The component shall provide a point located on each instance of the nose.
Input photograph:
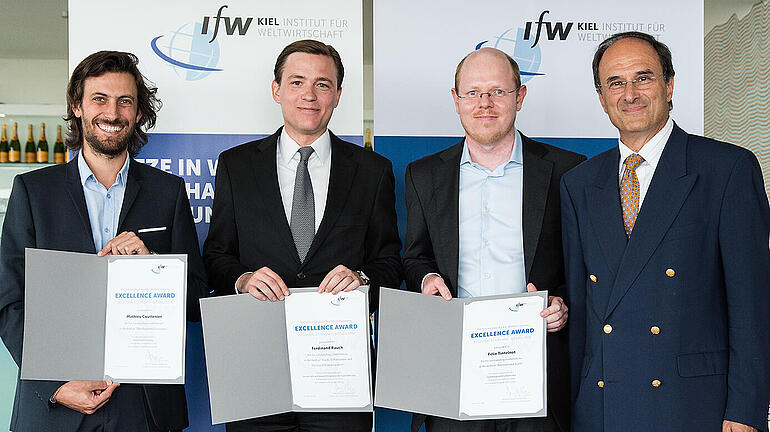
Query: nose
(630, 92)
(485, 103)
(111, 110)
(308, 93)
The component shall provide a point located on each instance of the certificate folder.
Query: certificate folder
(419, 352)
(247, 358)
(65, 315)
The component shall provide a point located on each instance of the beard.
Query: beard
(112, 146)
(486, 136)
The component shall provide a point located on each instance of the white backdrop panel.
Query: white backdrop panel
(235, 99)
(417, 46)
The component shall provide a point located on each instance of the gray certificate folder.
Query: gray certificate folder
(247, 358)
(419, 351)
(65, 299)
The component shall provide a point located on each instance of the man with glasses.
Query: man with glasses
(483, 219)
(666, 251)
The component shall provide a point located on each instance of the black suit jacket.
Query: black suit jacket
(47, 210)
(432, 239)
(249, 228)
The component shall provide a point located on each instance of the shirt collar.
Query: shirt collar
(652, 149)
(86, 173)
(322, 147)
(517, 156)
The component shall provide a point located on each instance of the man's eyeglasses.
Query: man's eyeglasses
(496, 94)
(640, 83)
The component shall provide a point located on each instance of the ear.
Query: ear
(77, 111)
(670, 89)
(456, 99)
(601, 100)
(138, 115)
(276, 88)
(339, 94)
(520, 97)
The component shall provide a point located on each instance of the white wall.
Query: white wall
(33, 81)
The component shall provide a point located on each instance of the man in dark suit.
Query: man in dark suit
(668, 269)
(80, 207)
(303, 208)
(483, 219)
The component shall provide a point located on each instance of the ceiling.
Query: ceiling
(35, 28)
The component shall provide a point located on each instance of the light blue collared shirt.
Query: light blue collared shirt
(491, 249)
(103, 204)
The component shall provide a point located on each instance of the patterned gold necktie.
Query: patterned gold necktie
(629, 192)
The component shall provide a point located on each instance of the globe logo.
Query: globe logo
(188, 51)
(527, 57)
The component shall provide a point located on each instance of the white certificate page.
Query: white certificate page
(328, 349)
(502, 368)
(145, 323)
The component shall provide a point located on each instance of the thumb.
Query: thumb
(531, 287)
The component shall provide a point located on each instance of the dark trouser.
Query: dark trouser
(126, 411)
(306, 422)
(539, 424)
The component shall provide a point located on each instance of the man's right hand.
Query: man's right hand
(434, 284)
(85, 396)
(263, 284)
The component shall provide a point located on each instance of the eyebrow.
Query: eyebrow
(106, 95)
(302, 77)
(638, 73)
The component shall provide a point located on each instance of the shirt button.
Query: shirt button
(109, 196)
(486, 243)
(607, 328)
(487, 276)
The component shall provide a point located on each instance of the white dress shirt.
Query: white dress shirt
(319, 165)
(651, 152)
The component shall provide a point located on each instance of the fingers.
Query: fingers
(265, 284)
(531, 287)
(434, 284)
(125, 243)
(339, 279)
(556, 314)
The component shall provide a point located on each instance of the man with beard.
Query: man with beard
(483, 219)
(106, 203)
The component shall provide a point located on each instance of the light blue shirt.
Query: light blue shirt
(103, 204)
(491, 249)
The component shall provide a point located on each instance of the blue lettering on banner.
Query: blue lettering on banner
(508, 332)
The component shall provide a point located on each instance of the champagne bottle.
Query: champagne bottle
(30, 152)
(3, 146)
(42, 146)
(58, 147)
(14, 148)
(368, 140)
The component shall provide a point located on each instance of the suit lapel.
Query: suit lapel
(607, 220)
(133, 185)
(668, 190)
(263, 161)
(537, 180)
(343, 171)
(75, 192)
(445, 209)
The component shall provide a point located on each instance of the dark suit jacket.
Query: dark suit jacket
(432, 238)
(686, 296)
(47, 210)
(249, 228)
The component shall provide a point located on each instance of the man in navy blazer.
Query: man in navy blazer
(100, 202)
(667, 279)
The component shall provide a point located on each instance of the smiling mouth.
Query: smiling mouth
(110, 128)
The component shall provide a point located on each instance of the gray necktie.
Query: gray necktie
(303, 206)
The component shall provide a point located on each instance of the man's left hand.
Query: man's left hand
(339, 279)
(555, 314)
(731, 426)
(126, 243)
